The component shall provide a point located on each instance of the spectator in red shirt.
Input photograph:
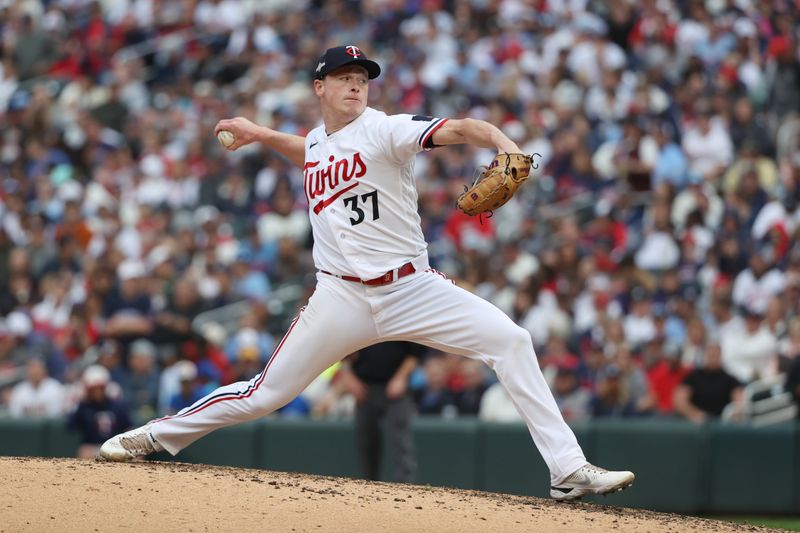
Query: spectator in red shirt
(665, 376)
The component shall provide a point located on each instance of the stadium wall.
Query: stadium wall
(679, 467)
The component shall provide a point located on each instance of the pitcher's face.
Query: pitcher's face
(344, 91)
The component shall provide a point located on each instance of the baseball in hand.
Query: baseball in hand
(225, 138)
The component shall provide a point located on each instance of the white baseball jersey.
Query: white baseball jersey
(359, 182)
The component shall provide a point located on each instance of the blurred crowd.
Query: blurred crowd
(653, 258)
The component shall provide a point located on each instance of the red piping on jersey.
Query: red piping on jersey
(433, 130)
(328, 201)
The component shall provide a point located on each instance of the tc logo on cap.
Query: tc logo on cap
(354, 51)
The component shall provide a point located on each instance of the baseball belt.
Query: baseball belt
(383, 279)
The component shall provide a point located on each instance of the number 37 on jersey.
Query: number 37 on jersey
(324, 186)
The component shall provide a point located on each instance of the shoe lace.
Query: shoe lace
(594, 469)
(137, 443)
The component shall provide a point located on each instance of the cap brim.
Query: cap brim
(373, 69)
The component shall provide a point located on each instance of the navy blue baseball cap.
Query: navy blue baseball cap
(340, 56)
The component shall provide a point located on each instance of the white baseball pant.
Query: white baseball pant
(344, 316)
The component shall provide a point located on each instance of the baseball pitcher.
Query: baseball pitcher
(374, 282)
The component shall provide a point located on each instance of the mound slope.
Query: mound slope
(71, 495)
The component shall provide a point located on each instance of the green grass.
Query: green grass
(791, 523)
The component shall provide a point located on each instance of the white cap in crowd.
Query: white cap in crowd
(95, 376)
(131, 269)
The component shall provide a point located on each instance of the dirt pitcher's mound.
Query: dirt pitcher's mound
(71, 495)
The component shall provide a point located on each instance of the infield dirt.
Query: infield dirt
(70, 495)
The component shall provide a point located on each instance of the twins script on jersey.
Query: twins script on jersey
(362, 197)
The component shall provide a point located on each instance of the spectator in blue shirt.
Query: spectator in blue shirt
(99, 416)
(671, 165)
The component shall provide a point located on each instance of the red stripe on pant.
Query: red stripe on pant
(227, 396)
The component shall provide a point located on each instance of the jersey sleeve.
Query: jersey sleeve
(404, 136)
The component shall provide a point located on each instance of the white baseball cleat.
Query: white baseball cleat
(129, 445)
(590, 479)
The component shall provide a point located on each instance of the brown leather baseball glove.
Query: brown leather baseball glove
(495, 184)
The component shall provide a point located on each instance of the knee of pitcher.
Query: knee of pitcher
(516, 342)
(522, 338)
